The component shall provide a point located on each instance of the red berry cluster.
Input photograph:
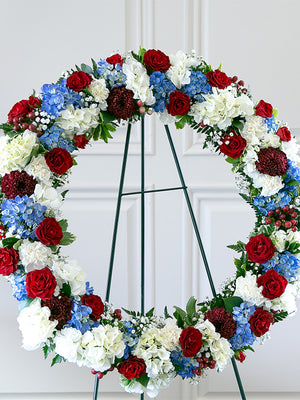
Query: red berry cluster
(240, 85)
(285, 217)
(204, 362)
(23, 114)
(99, 374)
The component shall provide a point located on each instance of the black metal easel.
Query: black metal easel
(142, 192)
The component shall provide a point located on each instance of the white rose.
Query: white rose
(70, 272)
(34, 255)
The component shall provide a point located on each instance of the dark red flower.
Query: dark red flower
(49, 232)
(20, 109)
(260, 248)
(284, 134)
(95, 303)
(115, 59)
(133, 367)
(273, 284)
(17, 184)
(264, 109)
(179, 103)
(223, 321)
(218, 79)
(60, 307)
(40, 283)
(34, 102)
(120, 103)
(240, 356)
(272, 161)
(156, 60)
(233, 146)
(9, 259)
(80, 141)
(59, 160)
(78, 81)
(260, 321)
(190, 341)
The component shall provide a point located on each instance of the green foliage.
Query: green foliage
(186, 119)
(150, 313)
(188, 317)
(66, 289)
(238, 124)
(10, 241)
(230, 302)
(57, 360)
(166, 313)
(143, 380)
(293, 247)
(63, 224)
(67, 239)
(86, 68)
(239, 247)
(47, 349)
(280, 316)
(95, 66)
(233, 160)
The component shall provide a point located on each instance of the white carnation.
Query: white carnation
(286, 302)
(67, 344)
(247, 289)
(68, 271)
(100, 92)
(179, 72)
(169, 334)
(39, 169)
(254, 129)
(35, 325)
(77, 120)
(269, 185)
(270, 140)
(49, 197)
(291, 150)
(34, 255)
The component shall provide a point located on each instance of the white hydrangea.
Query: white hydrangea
(138, 80)
(179, 72)
(166, 118)
(155, 385)
(100, 92)
(67, 344)
(254, 130)
(101, 346)
(39, 169)
(68, 271)
(169, 334)
(35, 325)
(49, 197)
(34, 255)
(247, 289)
(15, 153)
(220, 107)
(78, 120)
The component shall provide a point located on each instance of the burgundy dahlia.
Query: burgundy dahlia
(223, 321)
(17, 184)
(272, 161)
(60, 308)
(120, 103)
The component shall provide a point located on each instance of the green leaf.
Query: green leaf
(191, 307)
(180, 124)
(76, 66)
(107, 117)
(10, 241)
(57, 359)
(63, 224)
(230, 302)
(150, 312)
(17, 244)
(280, 316)
(180, 316)
(133, 313)
(95, 66)
(143, 380)
(275, 112)
(97, 132)
(105, 135)
(86, 68)
(238, 124)
(166, 313)
(67, 239)
(66, 289)
(239, 247)
(63, 194)
(110, 127)
(47, 349)
(232, 160)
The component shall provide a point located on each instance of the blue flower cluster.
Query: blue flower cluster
(162, 87)
(184, 365)
(55, 98)
(243, 336)
(265, 204)
(198, 84)
(113, 74)
(130, 338)
(81, 318)
(285, 264)
(53, 138)
(18, 284)
(88, 289)
(22, 215)
(271, 124)
(293, 174)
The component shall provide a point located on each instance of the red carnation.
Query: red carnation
(284, 134)
(60, 308)
(240, 356)
(34, 102)
(78, 81)
(273, 284)
(264, 109)
(19, 110)
(233, 146)
(17, 184)
(49, 232)
(9, 259)
(133, 367)
(260, 321)
(223, 321)
(115, 59)
(120, 103)
(218, 79)
(156, 60)
(95, 303)
(190, 341)
(260, 248)
(40, 283)
(272, 161)
(59, 160)
(179, 103)
(80, 141)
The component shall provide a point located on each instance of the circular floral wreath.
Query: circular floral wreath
(58, 309)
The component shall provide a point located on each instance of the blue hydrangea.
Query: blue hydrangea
(183, 365)
(113, 74)
(198, 84)
(81, 318)
(268, 203)
(271, 124)
(243, 336)
(130, 338)
(293, 174)
(53, 138)
(18, 284)
(55, 98)
(285, 264)
(162, 87)
(88, 289)
(22, 215)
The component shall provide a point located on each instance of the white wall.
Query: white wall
(259, 42)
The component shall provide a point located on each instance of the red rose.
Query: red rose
(233, 146)
(115, 59)
(133, 367)
(190, 341)
(49, 232)
(260, 249)
(260, 321)
(179, 103)
(273, 284)
(34, 102)
(59, 160)
(284, 134)
(156, 60)
(218, 79)
(80, 141)
(40, 283)
(78, 81)
(264, 109)
(20, 109)
(95, 303)
(9, 258)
